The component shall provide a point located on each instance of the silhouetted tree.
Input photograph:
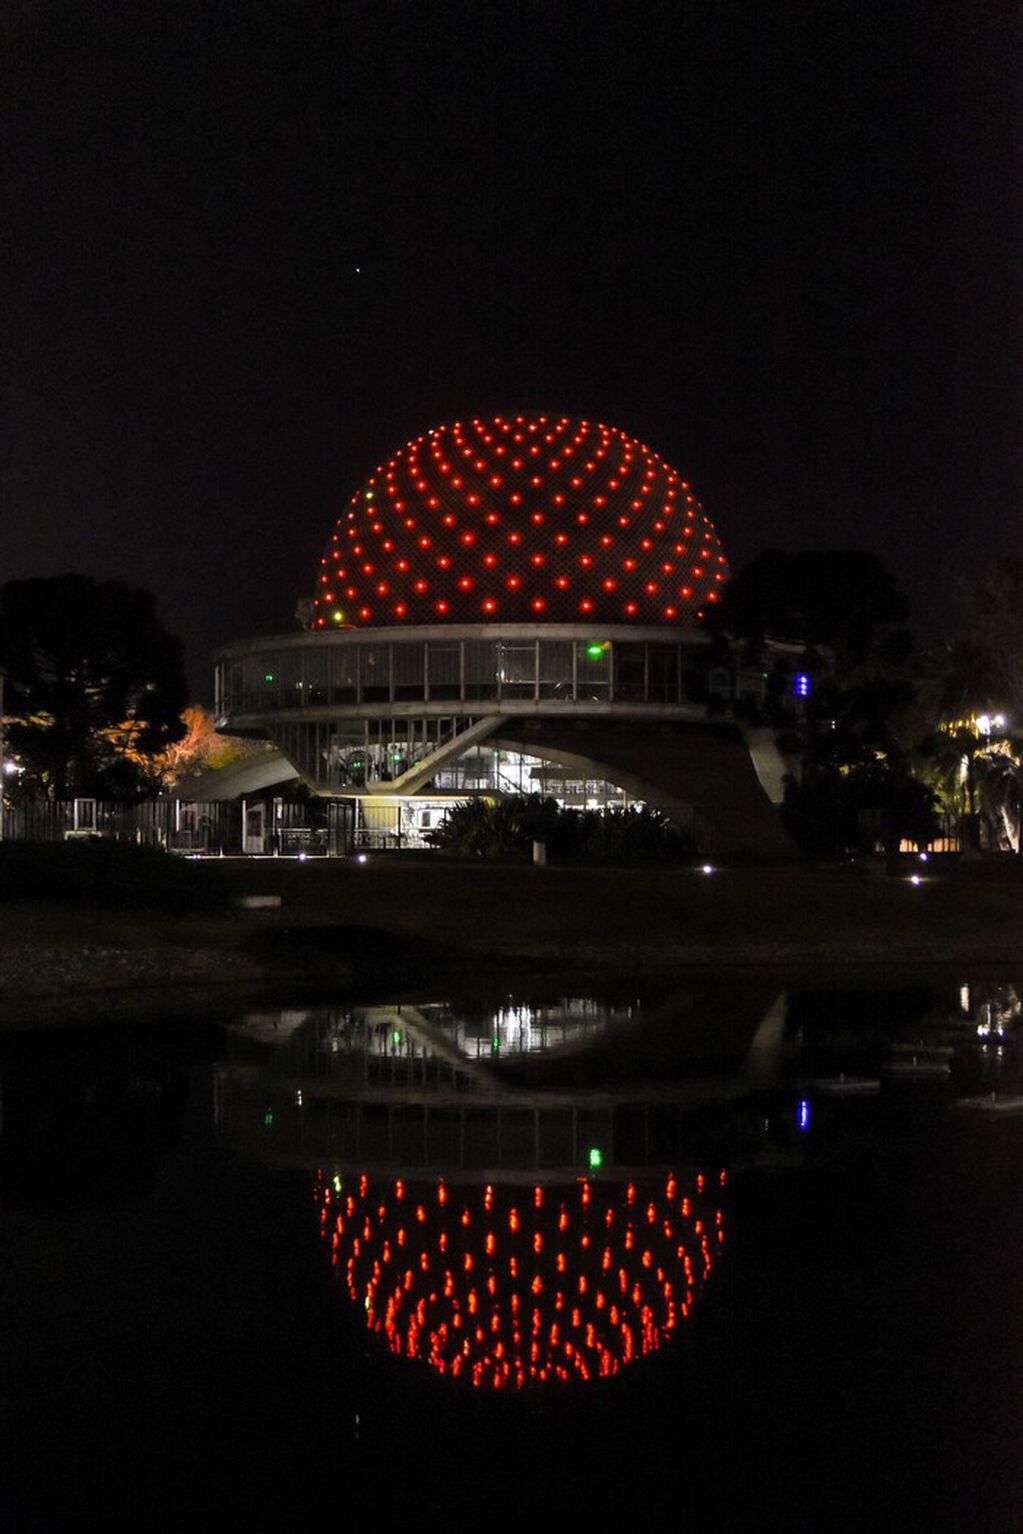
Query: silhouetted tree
(833, 597)
(95, 685)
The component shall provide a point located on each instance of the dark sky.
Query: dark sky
(250, 248)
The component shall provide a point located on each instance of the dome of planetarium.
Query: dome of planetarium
(522, 517)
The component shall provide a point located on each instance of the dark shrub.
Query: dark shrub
(507, 828)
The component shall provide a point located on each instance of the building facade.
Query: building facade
(511, 605)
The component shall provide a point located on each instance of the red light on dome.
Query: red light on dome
(442, 607)
(669, 612)
(585, 605)
(538, 604)
(465, 583)
(572, 487)
(364, 612)
(399, 611)
(513, 581)
(489, 605)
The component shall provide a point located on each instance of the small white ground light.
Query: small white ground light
(915, 879)
(362, 858)
(708, 868)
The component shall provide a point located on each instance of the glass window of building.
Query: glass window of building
(556, 668)
(516, 670)
(376, 673)
(409, 670)
(480, 669)
(593, 670)
(444, 671)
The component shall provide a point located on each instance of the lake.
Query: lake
(743, 1251)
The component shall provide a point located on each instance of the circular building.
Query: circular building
(510, 604)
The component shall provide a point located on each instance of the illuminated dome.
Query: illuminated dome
(519, 518)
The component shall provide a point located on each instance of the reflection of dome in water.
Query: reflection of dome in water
(510, 1286)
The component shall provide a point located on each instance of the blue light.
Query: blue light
(801, 684)
(803, 1114)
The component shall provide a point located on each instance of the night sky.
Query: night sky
(249, 249)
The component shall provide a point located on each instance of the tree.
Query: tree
(95, 685)
(834, 597)
(992, 611)
(202, 749)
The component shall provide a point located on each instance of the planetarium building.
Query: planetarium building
(510, 604)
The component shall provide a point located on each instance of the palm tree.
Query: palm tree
(998, 773)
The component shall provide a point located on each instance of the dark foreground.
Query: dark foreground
(344, 922)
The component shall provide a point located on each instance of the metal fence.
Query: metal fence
(206, 828)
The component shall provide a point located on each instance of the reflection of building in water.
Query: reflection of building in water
(402, 1032)
(438, 1086)
(508, 1286)
(994, 1008)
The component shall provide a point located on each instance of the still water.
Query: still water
(746, 1254)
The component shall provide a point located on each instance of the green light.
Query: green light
(268, 677)
(596, 1158)
(268, 1118)
(495, 1042)
(396, 1035)
(337, 1185)
(595, 651)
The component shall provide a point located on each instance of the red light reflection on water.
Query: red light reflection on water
(506, 1286)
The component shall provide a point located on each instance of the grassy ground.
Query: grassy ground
(342, 922)
(663, 917)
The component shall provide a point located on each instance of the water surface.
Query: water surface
(741, 1254)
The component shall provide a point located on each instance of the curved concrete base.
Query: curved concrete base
(701, 776)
